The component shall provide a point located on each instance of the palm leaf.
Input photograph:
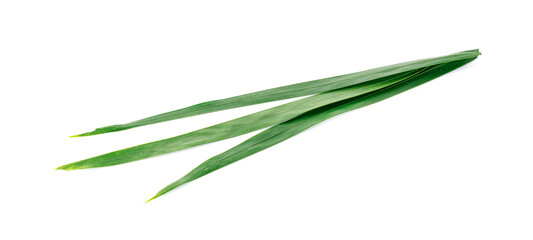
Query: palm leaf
(286, 92)
(287, 129)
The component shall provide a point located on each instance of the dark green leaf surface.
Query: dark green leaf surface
(237, 126)
(286, 92)
(287, 129)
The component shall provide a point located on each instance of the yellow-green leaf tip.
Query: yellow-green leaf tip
(68, 167)
(84, 134)
(154, 197)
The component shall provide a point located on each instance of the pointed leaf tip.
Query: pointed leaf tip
(67, 167)
(84, 134)
(154, 197)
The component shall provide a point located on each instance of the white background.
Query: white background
(451, 159)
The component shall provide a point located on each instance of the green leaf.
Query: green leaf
(237, 126)
(285, 130)
(286, 92)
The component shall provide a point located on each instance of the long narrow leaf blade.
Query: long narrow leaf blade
(286, 92)
(285, 130)
(235, 127)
